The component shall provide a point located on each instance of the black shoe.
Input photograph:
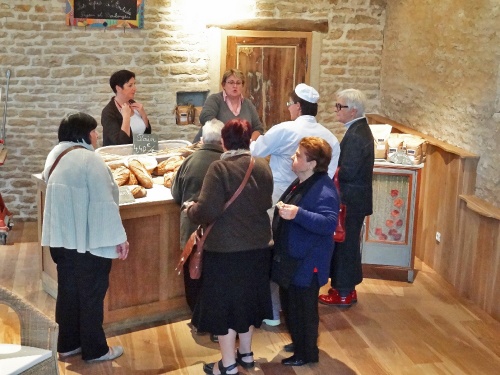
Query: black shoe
(241, 362)
(208, 368)
(293, 361)
(289, 348)
(214, 338)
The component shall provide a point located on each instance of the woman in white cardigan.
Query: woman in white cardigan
(83, 228)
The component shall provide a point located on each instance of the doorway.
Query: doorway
(273, 64)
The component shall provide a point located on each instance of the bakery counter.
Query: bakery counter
(144, 288)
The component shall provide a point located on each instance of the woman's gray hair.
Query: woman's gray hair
(354, 99)
(211, 131)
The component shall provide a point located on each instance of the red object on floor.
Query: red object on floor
(354, 295)
(335, 300)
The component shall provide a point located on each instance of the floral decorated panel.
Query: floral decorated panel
(391, 199)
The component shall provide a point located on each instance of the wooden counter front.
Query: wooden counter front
(143, 288)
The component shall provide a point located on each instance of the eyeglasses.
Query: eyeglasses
(288, 104)
(237, 83)
(340, 106)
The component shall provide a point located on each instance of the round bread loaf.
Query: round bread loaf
(121, 175)
(141, 173)
(137, 191)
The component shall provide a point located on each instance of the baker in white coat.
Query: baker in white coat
(281, 142)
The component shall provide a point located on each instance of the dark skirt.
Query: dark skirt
(235, 292)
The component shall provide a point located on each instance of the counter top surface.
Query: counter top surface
(158, 193)
(382, 163)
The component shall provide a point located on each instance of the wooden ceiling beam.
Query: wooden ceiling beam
(271, 24)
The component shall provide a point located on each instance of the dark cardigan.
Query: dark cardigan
(245, 224)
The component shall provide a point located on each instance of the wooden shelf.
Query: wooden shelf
(481, 207)
(379, 119)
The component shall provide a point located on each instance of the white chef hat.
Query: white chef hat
(307, 93)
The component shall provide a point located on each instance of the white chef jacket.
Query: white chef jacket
(281, 142)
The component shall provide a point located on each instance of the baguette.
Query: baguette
(132, 179)
(169, 165)
(141, 173)
(121, 175)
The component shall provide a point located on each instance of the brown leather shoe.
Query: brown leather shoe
(335, 300)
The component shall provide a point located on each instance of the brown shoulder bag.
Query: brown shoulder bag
(194, 245)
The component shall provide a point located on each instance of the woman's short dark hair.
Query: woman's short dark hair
(307, 108)
(120, 78)
(317, 149)
(236, 134)
(76, 127)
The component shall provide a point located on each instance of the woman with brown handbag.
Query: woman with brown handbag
(235, 295)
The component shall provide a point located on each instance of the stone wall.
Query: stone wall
(57, 69)
(440, 75)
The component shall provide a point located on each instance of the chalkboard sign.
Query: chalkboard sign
(144, 143)
(107, 9)
(105, 13)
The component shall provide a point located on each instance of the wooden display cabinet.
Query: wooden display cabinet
(388, 234)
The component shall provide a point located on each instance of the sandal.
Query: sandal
(209, 368)
(241, 362)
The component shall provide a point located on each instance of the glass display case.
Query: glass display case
(388, 232)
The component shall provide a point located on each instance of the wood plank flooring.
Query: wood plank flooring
(395, 328)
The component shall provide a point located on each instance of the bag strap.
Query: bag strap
(336, 180)
(59, 158)
(232, 199)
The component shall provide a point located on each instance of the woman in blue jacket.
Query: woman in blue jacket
(303, 225)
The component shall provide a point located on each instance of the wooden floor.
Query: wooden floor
(396, 328)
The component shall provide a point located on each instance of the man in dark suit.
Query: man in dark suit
(355, 178)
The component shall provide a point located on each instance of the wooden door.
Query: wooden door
(273, 64)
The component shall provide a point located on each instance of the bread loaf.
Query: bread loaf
(141, 173)
(121, 175)
(168, 178)
(169, 165)
(132, 180)
(137, 191)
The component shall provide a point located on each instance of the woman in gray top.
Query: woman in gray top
(230, 103)
(83, 228)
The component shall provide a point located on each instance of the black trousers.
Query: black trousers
(345, 268)
(303, 319)
(83, 280)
